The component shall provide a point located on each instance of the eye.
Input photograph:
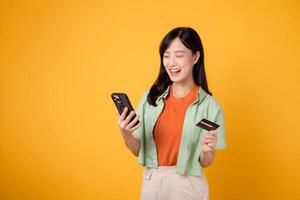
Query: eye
(179, 56)
(166, 56)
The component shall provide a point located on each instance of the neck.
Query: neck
(180, 90)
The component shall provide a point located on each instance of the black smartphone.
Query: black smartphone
(121, 101)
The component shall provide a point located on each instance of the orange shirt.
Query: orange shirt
(168, 128)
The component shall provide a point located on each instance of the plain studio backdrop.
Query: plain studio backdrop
(61, 60)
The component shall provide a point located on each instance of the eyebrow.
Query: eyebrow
(176, 52)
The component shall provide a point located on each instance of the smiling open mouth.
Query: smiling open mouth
(174, 71)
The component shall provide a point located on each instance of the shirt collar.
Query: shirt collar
(201, 95)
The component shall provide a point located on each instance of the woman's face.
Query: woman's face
(178, 61)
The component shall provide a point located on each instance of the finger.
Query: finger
(132, 123)
(128, 118)
(209, 148)
(123, 115)
(135, 127)
(209, 141)
(212, 132)
(211, 137)
(212, 145)
(207, 137)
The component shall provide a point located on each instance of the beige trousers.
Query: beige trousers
(164, 184)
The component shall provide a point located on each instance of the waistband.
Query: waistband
(162, 169)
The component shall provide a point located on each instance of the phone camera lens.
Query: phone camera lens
(116, 99)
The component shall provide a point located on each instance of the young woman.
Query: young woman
(166, 140)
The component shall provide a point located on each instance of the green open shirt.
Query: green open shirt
(205, 106)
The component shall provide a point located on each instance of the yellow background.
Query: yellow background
(61, 60)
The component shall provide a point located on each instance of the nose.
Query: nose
(172, 62)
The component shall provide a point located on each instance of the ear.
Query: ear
(196, 57)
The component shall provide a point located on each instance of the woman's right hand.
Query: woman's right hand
(124, 123)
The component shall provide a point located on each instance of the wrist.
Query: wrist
(208, 152)
(206, 158)
(127, 136)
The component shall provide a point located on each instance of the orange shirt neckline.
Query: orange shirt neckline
(192, 92)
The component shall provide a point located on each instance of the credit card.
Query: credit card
(207, 125)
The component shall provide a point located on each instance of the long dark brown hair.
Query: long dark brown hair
(190, 38)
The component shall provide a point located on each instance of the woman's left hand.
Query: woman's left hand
(209, 141)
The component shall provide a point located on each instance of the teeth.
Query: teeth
(174, 70)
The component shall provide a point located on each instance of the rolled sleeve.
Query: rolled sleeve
(219, 119)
